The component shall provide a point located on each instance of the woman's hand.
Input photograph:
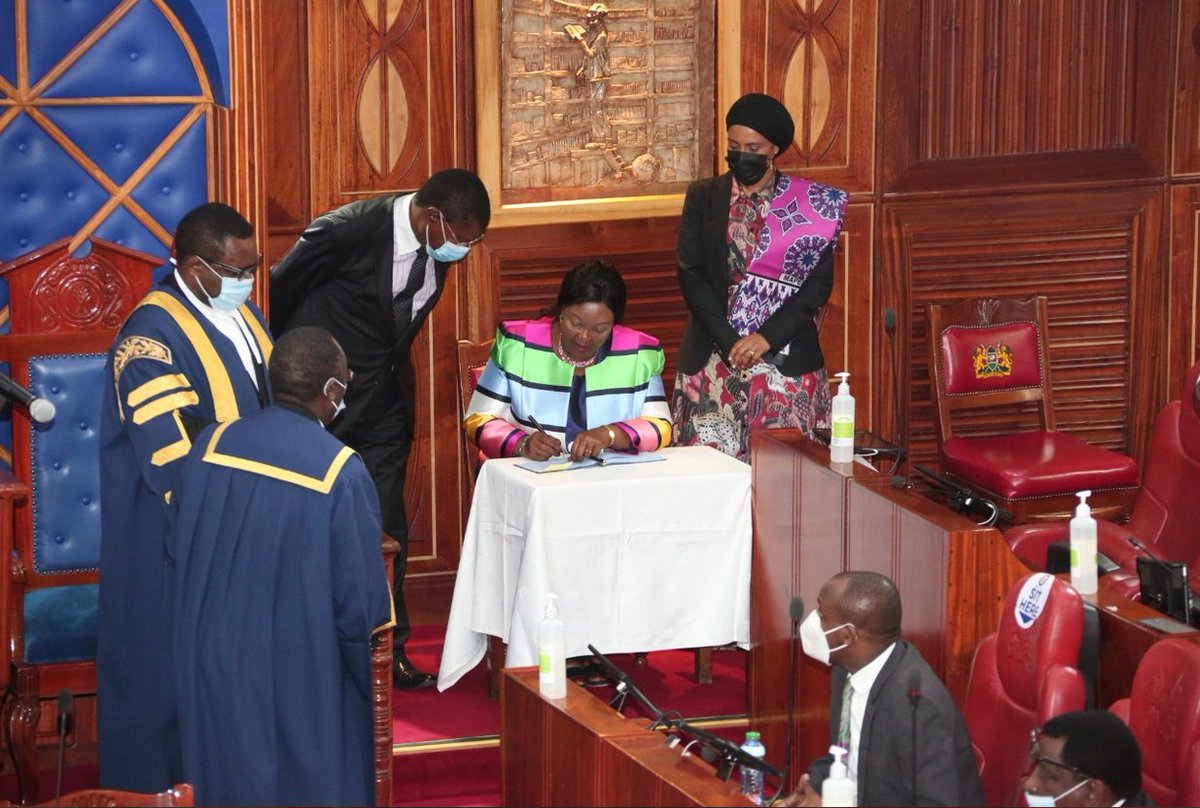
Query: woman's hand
(592, 442)
(748, 352)
(540, 446)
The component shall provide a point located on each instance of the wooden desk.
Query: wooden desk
(381, 693)
(579, 751)
(1124, 640)
(812, 521)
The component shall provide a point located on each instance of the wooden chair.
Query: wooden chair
(65, 313)
(990, 356)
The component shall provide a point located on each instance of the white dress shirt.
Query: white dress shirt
(862, 681)
(404, 250)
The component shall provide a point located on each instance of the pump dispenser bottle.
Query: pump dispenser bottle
(552, 654)
(838, 789)
(841, 436)
(1084, 556)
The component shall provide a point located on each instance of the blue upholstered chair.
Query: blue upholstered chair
(65, 312)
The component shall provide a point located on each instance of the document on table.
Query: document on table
(605, 458)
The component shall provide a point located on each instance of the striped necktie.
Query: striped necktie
(844, 721)
(402, 303)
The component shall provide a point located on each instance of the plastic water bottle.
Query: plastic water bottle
(752, 779)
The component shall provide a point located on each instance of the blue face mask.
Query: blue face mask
(450, 251)
(233, 293)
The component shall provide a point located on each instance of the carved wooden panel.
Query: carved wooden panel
(1044, 85)
(1186, 157)
(384, 110)
(1093, 254)
(1181, 322)
(818, 57)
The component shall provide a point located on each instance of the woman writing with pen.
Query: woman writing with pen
(575, 381)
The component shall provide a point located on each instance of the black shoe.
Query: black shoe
(405, 675)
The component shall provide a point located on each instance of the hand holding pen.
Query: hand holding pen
(539, 445)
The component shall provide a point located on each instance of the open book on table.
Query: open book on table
(605, 458)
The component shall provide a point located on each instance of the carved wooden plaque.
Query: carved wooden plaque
(604, 99)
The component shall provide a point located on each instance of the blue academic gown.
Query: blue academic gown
(169, 373)
(281, 585)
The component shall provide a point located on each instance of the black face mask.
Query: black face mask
(747, 167)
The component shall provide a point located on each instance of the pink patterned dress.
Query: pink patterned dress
(775, 239)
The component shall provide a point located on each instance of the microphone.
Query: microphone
(889, 325)
(914, 697)
(1188, 592)
(796, 612)
(623, 684)
(66, 713)
(40, 409)
(729, 752)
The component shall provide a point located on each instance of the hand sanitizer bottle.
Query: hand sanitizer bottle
(838, 789)
(841, 436)
(552, 654)
(1083, 547)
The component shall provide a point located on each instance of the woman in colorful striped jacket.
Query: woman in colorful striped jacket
(574, 381)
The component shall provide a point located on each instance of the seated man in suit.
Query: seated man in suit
(880, 685)
(1088, 757)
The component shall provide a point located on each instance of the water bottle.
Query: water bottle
(752, 779)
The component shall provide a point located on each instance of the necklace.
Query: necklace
(562, 354)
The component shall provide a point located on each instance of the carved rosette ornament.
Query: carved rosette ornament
(80, 294)
(985, 309)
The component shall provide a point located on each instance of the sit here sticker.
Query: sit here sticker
(1035, 594)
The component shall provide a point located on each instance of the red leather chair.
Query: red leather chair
(1163, 710)
(1021, 676)
(1165, 512)
(988, 358)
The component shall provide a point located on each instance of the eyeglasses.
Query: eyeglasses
(239, 273)
(1037, 759)
(454, 237)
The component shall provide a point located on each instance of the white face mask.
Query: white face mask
(1046, 801)
(340, 404)
(815, 641)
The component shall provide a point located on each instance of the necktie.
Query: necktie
(402, 303)
(844, 721)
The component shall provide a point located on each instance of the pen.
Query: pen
(542, 429)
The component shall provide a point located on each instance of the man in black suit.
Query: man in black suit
(881, 686)
(1087, 757)
(370, 272)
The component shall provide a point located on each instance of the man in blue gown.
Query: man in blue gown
(280, 588)
(192, 352)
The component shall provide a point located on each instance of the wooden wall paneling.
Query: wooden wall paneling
(239, 139)
(286, 158)
(852, 330)
(1182, 324)
(819, 59)
(1186, 129)
(1094, 254)
(1051, 88)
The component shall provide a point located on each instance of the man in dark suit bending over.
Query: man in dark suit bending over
(881, 684)
(369, 273)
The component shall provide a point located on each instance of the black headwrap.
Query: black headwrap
(764, 115)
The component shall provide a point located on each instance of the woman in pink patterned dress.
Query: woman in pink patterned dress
(755, 267)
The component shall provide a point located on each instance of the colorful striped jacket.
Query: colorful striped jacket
(525, 378)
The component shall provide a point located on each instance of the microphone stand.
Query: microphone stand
(625, 686)
(66, 710)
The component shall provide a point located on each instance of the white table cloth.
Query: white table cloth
(643, 557)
